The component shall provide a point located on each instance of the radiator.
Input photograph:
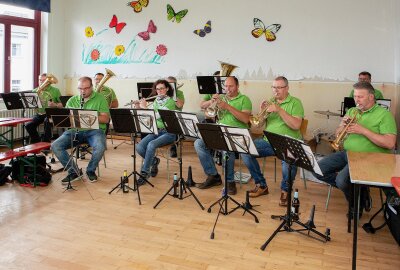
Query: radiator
(18, 128)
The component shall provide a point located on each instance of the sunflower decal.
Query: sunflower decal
(119, 49)
(89, 32)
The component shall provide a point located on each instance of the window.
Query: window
(19, 49)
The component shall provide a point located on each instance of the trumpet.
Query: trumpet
(259, 119)
(132, 102)
(337, 144)
(213, 109)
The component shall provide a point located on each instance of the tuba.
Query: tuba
(259, 119)
(99, 87)
(337, 144)
(226, 70)
(45, 96)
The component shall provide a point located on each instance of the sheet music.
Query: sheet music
(87, 119)
(189, 125)
(241, 139)
(312, 159)
(147, 121)
(173, 86)
(31, 100)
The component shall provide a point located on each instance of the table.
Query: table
(10, 122)
(369, 169)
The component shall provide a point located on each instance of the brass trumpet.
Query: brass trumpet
(213, 109)
(337, 144)
(259, 119)
(137, 101)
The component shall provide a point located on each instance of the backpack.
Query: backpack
(43, 175)
(391, 213)
(5, 171)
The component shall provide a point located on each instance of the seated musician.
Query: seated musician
(149, 144)
(373, 131)
(285, 116)
(106, 91)
(365, 76)
(49, 97)
(180, 101)
(234, 110)
(96, 138)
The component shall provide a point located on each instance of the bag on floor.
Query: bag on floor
(5, 171)
(43, 175)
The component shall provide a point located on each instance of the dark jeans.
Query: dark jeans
(32, 126)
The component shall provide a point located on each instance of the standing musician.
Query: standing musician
(374, 130)
(285, 117)
(149, 144)
(236, 109)
(106, 91)
(180, 101)
(49, 97)
(96, 138)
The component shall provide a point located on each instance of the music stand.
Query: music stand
(182, 124)
(133, 121)
(294, 153)
(73, 119)
(211, 84)
(226, 139)
(347, 103)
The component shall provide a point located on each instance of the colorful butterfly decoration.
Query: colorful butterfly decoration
(151, 28)
(172, 15)
(118, 26)
(260, 29)
(204, 31)
(138, 5)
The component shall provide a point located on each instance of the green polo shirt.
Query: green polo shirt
(241, 103)
(108, 93)
(96, 102)
(181, 96)
(50, 92)
(168, 105)
(275, 124)
(207, 97)
(378, 94)
(376, 119)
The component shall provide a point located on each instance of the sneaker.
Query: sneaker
(212, 180)
(91, 176)
(258, 191)
(142, 179)
(232, 188)
(172, 151)
(283, 201)
(71, 177)
(154, 167)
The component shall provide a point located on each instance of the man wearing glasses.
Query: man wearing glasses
(89, 100)
(285, 116)
(365, 76)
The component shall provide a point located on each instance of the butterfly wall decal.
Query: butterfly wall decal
(260, 29)
(175, 16)
(151, 28)
(204, 31)
(118, 26)
(138, 5)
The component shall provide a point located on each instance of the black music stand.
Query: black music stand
(295, 153)
(133, 121)
(228, 139)
(211, 84)
(182, 124)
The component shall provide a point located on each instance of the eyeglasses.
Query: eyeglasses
(278, 87)
(84, 88)
(161, 88)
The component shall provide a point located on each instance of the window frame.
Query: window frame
(35, 23)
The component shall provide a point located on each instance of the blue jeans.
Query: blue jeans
(265, 150)
(207, 161)
(95, 138)
(148, 146)
(336, 172)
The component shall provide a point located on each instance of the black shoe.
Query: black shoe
(70, 178)
(232, 188)
(367, 205)
(91, 176)
(172, 151)
(154, 167)
(142, 179)
(212, 180)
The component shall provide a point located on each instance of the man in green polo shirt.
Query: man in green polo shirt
(365, 76)
(285, 116)
(106, 91)
(235, 109)
(374, 131)
(89, 100)
(49, 97)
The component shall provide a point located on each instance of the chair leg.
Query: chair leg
(240, 171)
(275, 169)
(302, 175)
(328, 197)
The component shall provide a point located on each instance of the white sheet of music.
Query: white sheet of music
(242, 139)
(312, 159)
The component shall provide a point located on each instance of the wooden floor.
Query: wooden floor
(44, 228)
